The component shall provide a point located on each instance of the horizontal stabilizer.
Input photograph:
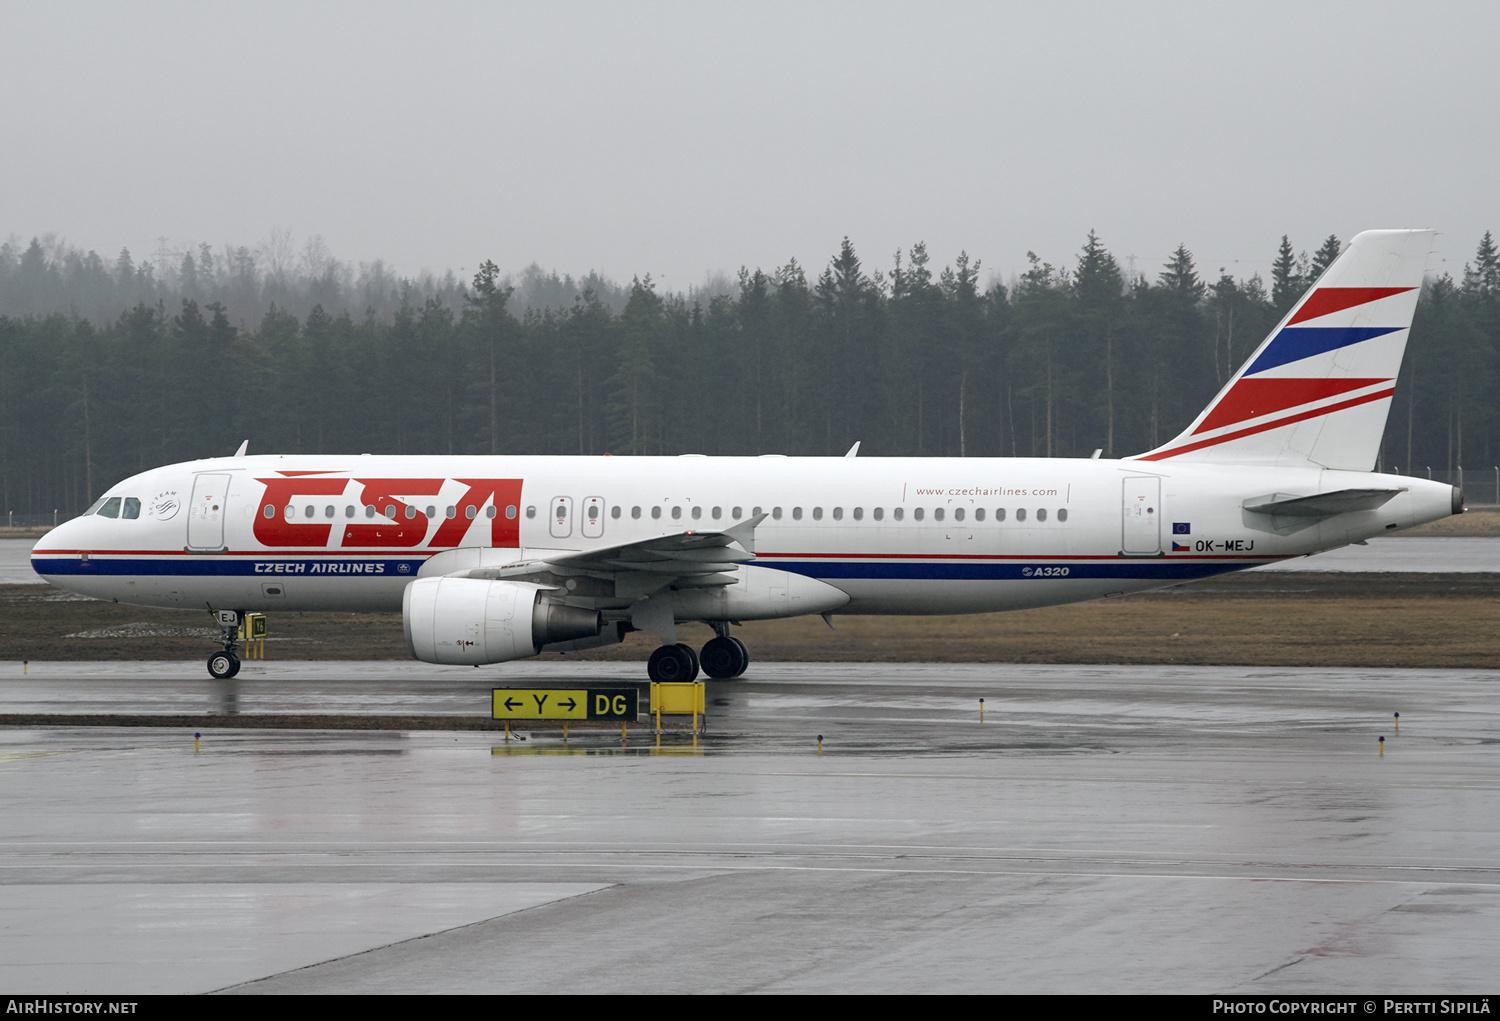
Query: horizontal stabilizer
(1321, 505)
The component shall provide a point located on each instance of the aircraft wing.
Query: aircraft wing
(640, 567)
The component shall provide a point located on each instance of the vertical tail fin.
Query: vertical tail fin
(1317, 390)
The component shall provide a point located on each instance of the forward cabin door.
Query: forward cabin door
(1142, 511)
(207, 511)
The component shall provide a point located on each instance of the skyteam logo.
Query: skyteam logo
(165, 505)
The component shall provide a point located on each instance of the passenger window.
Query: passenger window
(269, 512)
(431, 512)
(562, 512)
(510, 512)
(1062, 514)
(1020, 513)
(859, 514)
(531, 511)
(978, 513)
(676, 513)
(817, 513)
(736, 513)
(1041, 514)
(470, 511)
(490, 511)
(776, 513)
(697, 513)
(718, 513)
(614, 512)
(291, 512)
(879, 513)
(838, 514)
(111, 508)
(411, 512)
(328, 511)
(918, 513)
(958, 514)
(132, 508)
(796, 513)
(369, 511)
(898, 513)
(655, 512)
(937, 514)
(999, 513)
(349, 510)
(593, 512)
(307, 511)
(390, 511)
(635, 512)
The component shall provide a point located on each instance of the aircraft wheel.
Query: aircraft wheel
(672, 663)
(223, 665)
(724, 657)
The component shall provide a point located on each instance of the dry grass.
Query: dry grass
(1278, 619)
(1480, 523)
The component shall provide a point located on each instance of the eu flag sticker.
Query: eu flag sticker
(1181, 528)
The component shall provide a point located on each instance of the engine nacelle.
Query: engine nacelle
(470, 621)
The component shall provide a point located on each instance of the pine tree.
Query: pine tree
(1287, 284)
(1324, 257)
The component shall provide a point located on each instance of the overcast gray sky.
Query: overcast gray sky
(682, 139)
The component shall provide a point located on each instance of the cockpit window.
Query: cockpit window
(111, 508)
(132, 508)
(95, 508)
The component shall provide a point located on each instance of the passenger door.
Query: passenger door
(1141, 536)
(206, 512)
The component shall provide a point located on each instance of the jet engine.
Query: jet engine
(470, 621)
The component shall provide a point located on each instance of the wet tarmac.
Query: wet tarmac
(1104, 829)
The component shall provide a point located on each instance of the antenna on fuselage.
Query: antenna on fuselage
(244, 446)
(853, 450)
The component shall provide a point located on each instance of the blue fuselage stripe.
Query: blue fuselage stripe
(1153, 568)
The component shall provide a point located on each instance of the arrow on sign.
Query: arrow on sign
(569, 703)
(511, 704)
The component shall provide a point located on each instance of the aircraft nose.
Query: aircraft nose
(47, 551)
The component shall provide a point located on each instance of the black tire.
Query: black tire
(723, 658)
(744, 657)
(223, 665)
(670, 664)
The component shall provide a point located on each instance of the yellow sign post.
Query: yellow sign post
(678, 698)
(253, 634)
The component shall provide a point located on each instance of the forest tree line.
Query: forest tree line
(909, 360)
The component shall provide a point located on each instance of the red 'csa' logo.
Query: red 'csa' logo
(397, 524)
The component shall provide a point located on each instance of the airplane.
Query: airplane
(493, 559)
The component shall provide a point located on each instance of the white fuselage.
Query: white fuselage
(898, 535)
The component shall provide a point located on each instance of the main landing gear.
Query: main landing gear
(722, 657)
(224, 665)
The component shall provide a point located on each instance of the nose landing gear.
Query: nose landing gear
(224, 665)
